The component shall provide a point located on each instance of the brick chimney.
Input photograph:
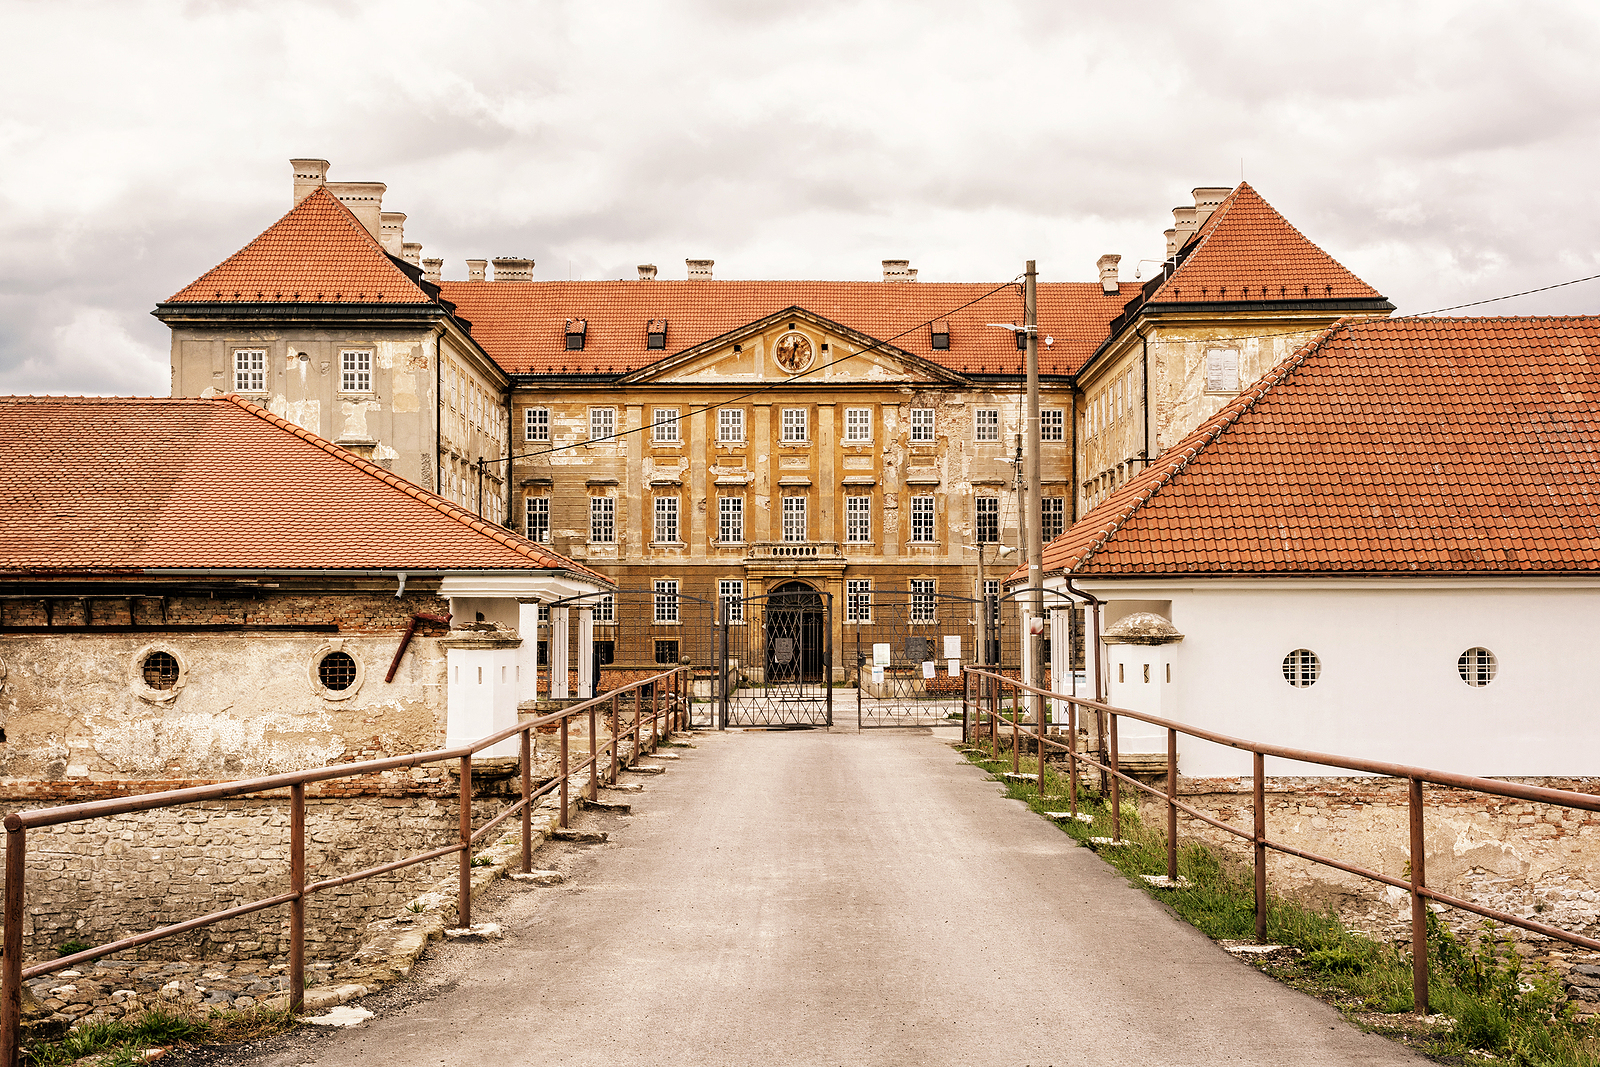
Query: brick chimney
(365, 201)
(647, 272)
(477, 269)
(309, 176)
(898, 270)
(433, 270)
(392, 224)
(411, 252)
(513, 269)
(699, 269)
(1107, 266)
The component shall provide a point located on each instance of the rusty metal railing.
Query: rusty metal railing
(666, 694)
(984, 707)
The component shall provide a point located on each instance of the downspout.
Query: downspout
(1144, 397)
(1077, 478)
(405, 639)
(438, 400)
(511, 426)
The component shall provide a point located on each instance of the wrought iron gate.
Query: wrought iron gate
(902, 646)
(777, 658)
(638, 633)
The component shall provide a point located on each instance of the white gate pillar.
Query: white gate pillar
(1061, 676)
(559, 683)
(481, 689)
(528, 652)
(586, 677)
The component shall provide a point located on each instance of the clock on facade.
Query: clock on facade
(792, 352)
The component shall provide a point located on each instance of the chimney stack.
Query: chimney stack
(898, 270)
(647, 272)
(699, 269)
(365, 201)
(411, 252)
(309, 176)
(1107, 266)
(477, 269)
(1183, 226)
(393, 228)
(1172, 242)
(433, 269)
(513, 269)
(1206, 200)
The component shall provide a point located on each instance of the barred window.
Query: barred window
(1052, 517)
(337, 671)
(1052, 425)
(536, 424)
(1301, 668)
(602, 423)
(666, 600)
(667, 652)
(602, 520)
(730, 425)
(250, 370)
(1476, 667)
(536, 519)
(730, 520)
(988, 520)
(161, 670)
(857, 424)
(794, 426)
(921, 425)
(858, 520)
(666, 519)
(794, 518)
(922, 520)
(605, 609)
(858, 600)
(922, 605)
(731, 591)
(356, 370)
(666, 426)
(988, 424)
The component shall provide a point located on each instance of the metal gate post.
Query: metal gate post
(860, 662)
(721, 709)
(827, 653)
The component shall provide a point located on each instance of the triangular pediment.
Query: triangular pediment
(794, 345)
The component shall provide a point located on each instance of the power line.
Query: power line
(1495, 299)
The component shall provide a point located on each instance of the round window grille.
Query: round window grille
(337, 671)
(161, 670)
(1301, 667)
(1477, 667)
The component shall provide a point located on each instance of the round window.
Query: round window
(1301, 668)
(337, 671)
(160, 670)
(1476, 666)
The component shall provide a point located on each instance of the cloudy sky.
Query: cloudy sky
(1446, 152)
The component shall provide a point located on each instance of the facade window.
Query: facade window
(922, 520)
(857, 425)
(337, 671)
(602, 520)
(858, 600)
(667, 652)
(160, 670)
(536, 424)
(605, 609)
(602, 423)
(1052, 425)
(991, 596)
(666, 426)
(536, 519)
(1477, 667)
(666, 520)
(731, 592)
(666, 601)
(794, 518)
(250, 370)
(921, 426)
(988, 520)
(922, 604)
(1222, 370)
(988, 424)
(1301, 668)
(794, 426)
(1052, 517)
(858, 520)
(605, 652)
(355, 370)
(730, 520)
(730, 425)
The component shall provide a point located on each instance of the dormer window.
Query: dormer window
(576, 328)
(941, 334)
(655, 334)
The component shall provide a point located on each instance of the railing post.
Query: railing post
(527, 804)
(638, 728)
(297, 906)
(11, 963)
(1172, 805)
(1260, 848)
(565, 720)
(594, 754)
(1116, 784)
(994, 721)
(464, 867)
(966, 706)
(616, 734)
(1072, 755)
(1419, 907)
(1039, 702)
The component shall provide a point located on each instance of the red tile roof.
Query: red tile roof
(523, 324)
(318, 252)
(1247, 251)
(120, 485)
(1400, 446)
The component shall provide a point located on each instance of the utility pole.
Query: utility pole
(1034, 641)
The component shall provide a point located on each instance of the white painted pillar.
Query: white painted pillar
(481, 689)
(559, 685)
(528, 651)
(1060, 660)
(586, 677)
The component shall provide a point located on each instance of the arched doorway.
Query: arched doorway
(795, 621)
